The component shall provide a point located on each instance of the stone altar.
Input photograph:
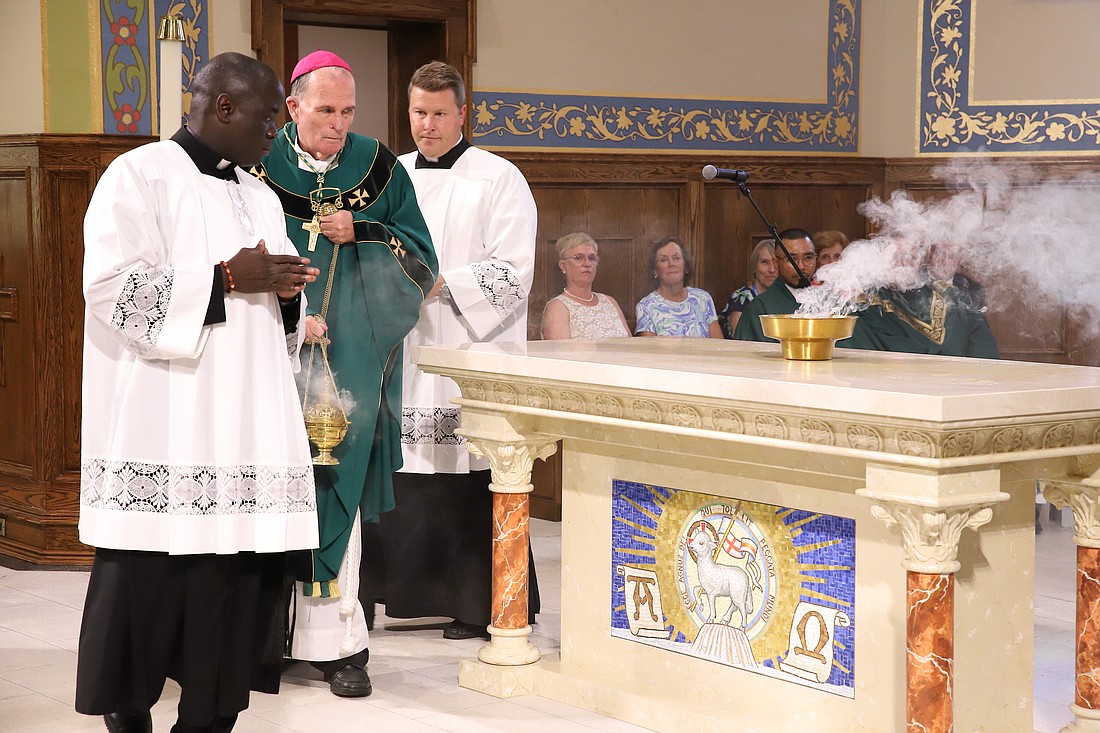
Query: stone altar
(687, 457)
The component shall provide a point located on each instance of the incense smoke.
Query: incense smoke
(321, 389)
(1008, 230)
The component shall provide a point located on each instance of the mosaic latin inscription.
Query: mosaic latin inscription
(763, 588)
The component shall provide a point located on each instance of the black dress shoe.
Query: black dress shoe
(459, 630)
(129, 722)
(349, 681)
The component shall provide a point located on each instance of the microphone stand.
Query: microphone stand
(803, 281)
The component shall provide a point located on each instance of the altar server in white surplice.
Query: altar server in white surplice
(435, 552)
(196, 475)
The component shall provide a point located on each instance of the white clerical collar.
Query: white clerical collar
(436, 160)
(223, 164)
(306, 160)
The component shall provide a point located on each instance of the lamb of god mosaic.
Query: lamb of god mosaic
(764, 588)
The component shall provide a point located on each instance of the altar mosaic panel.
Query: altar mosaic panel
(763, 588)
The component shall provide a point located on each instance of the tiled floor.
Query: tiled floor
(413, 669)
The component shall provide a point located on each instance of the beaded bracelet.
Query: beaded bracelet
(228, 276)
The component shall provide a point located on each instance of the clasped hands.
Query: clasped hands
(256, 271)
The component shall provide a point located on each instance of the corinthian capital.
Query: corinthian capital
(510, 459)
(931, 535)
(1083, 499)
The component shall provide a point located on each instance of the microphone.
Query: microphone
(730, 174)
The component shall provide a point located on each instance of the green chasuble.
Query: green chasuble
(776, 300)
(934, 319)
(380, 281)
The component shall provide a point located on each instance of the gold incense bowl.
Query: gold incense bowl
(806, 338)
(326, 426)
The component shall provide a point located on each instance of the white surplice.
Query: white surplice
(482, 219)
(192, 436)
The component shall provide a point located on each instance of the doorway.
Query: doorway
(415, 33)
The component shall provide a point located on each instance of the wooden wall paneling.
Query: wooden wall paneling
(72, 191)
(624, 221)
(1083, 344)
(17, 345)
(41, 237)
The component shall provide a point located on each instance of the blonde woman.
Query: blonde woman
(579, 313)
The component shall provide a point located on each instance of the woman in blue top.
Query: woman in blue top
(762, 273)
(674, 309)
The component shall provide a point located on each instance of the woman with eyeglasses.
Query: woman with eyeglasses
(579, 313)
(674, 309)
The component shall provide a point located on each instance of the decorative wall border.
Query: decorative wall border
(802, 426)
(533, 120)
(128, 47)
(951, 123)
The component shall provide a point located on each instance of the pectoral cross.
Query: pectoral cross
(314, 228)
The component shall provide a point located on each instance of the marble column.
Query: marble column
(1082, 498)
(510, 460)
(931, 540)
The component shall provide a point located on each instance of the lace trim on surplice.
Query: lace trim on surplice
(142, 307)
(501, 286)
(430, 426)
(196, 490)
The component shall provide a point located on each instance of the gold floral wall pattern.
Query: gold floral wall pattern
(950, 122)
(530, 119)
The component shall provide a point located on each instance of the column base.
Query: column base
(509, 648)
(1087, 721)
(495, 680)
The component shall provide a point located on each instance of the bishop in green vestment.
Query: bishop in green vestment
(379, 283)
(937, 318)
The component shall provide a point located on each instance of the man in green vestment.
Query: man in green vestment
(351, 206)
(937, 318)
(779, 298)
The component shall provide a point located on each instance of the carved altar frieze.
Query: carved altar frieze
(646, 411)
(1009, 440)
(862, 437)
(1058, 436)
(727, 421)
(770, 426)
(608, 406)
(538, 397)
(570, 402)
(959, 444)
(685, 416)
(505, 393)
(915, 443)
(840, 430)
(816, 431)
